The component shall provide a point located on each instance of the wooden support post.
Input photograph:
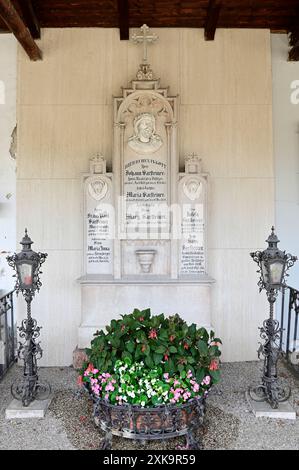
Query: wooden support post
(123, 18)
(212, 19)
(16, 25)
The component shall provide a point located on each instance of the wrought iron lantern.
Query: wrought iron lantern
(273, 266)
(27, 265)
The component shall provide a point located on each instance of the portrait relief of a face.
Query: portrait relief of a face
(145, 139)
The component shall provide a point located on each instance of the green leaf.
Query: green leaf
(149, 362)
(137, 312)
(202, 332)
(163, 334)
(130, 346)
(157, 358)
(202, 347)
(171, 367)
(127, 357)
(200, 375)
(146, 313)
(161, 349)
(192, 330)
(173, 349)
(215, 374)
(190, 360)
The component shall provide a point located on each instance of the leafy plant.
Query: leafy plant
(167, 343)
(138, 385)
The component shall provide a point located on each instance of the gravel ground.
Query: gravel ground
(229, 423)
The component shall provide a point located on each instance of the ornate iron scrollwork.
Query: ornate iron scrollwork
(146, 424)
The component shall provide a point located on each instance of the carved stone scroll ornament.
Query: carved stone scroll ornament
(97, 188)
(192, 188)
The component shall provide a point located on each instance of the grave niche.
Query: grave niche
(144, 223)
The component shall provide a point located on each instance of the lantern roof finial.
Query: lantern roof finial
(273, 239)
(26, 241)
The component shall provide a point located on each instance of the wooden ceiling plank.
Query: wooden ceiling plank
(123, 19)
(212, 19)
(294, 43)
(29, 16)
(16, 25)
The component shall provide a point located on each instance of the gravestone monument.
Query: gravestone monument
(145, 224)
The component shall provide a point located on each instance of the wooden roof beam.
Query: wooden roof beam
(16, 25)
(123, 19)
(29, 16)
(294, 43)
(212, 19)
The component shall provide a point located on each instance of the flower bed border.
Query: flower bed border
(149, 423)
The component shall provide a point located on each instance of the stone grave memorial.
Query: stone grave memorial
(145, 222)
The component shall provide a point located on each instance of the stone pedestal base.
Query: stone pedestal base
(104, 300)
(263, 409)
(36, 409)
(79, 357)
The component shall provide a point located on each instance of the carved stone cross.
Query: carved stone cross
(146, 38)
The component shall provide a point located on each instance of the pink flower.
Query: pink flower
(165, 357)
(189, 374)
(109, 387)
(95, 371)
(80, 380)
(166, 375)
(207, 380)
(141, 319)
(171, 338)
(196, 388)
(106, 396)
(153, 334)
(214, 365)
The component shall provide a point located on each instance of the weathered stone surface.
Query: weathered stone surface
(36, 409)
(263, 409)
(79, 357)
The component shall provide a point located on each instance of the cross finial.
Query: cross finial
(146, 38)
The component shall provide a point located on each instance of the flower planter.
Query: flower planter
(149, 423)
(149, 376)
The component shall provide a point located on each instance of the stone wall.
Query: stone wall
(8, 84)
(225, 115)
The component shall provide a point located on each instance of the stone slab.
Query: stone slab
(263, 409)
(36, 409)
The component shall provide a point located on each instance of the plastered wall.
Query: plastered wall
(65, 117)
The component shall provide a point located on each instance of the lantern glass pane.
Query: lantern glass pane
(276, 272)
(265, 274)
(25, 271)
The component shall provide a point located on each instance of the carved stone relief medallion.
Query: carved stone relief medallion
(97, 188)
(145, 139)
(192, 188)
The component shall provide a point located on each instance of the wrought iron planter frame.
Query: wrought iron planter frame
(149, 423)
